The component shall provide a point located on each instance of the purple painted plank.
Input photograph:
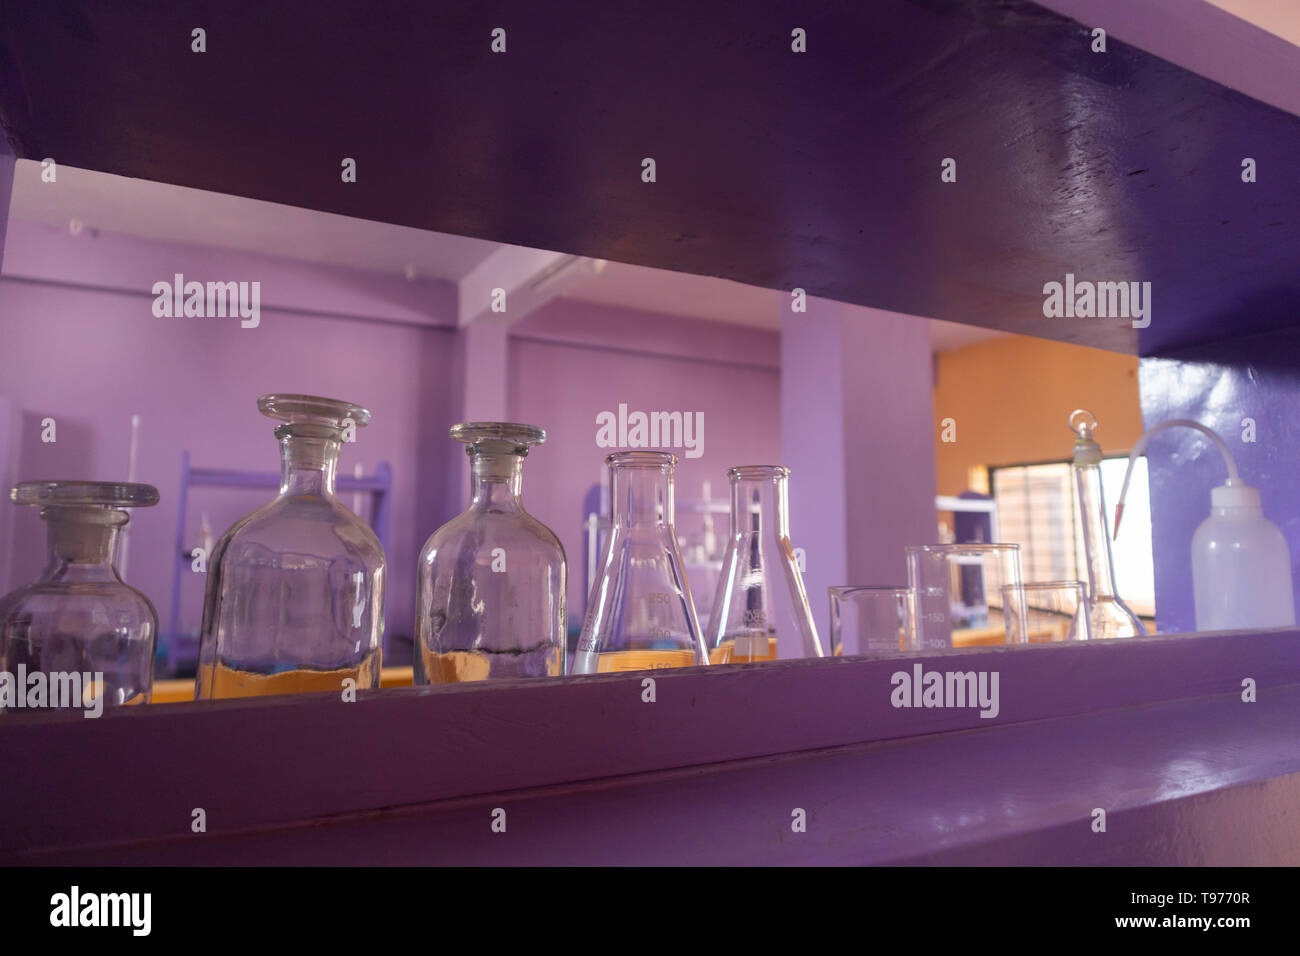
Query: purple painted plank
(417, 745)
(819, 170)
(1209, 781)
(1251, 60)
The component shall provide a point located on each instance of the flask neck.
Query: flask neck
(308, 464)
(760, 506)
(1096, 542)
(641, 496)
(495, 481)
(80, 542)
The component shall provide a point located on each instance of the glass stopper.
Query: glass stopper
(1086, 425)
(106, 494)
(506, 437)
(312, 409)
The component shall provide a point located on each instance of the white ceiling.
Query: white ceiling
(148, 210)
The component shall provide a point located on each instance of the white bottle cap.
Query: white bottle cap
(1234, 496)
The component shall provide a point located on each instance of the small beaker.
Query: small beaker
(1054, 610)
(870, 620)
(640, 614)
(90, 633)
(760, 601)
(959, 594)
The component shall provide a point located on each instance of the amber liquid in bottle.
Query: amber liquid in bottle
(744, 649)
(217, 680)
(453, 667)
(642, 660)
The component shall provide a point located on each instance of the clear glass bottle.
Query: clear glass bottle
(81, 617)
(760, 600)
(640, 614)
(1108, 616)
(490, 598)
(295, 596)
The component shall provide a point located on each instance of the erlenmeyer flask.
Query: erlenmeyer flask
(1108, 616)
(640, 614)
(295, 597)
(760, 602)
(80, 625)
(491, 580)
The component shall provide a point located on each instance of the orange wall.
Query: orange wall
(1010, 398)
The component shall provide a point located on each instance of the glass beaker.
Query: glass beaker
(491, 581)
(640, 614)
(958, 591)
(868, 620)
(1108, 616)
(1054, 610)
(760, 596)
(92, 635)
(295, 596)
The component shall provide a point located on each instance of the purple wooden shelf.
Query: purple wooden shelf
(1152, 730)
(818, 170)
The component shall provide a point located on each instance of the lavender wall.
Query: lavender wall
(857, 409)
(571, 360)
(81, 345)
(1219, 385)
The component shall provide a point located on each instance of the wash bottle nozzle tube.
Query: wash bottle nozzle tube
(1233, 479)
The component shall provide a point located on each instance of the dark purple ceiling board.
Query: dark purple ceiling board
(818, 170)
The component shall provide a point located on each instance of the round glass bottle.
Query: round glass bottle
(295, 596)
(760, 601)
(91, 635)
(491, 586)
(640, 614)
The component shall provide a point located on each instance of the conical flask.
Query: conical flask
(640, 614)
(1108, 616)
(491, 580)
(760, 610)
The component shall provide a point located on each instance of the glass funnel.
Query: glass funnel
(760, 601)
(295, 597)
(491, 583)
(91, 635)
(640, 614)
(1108, 616)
